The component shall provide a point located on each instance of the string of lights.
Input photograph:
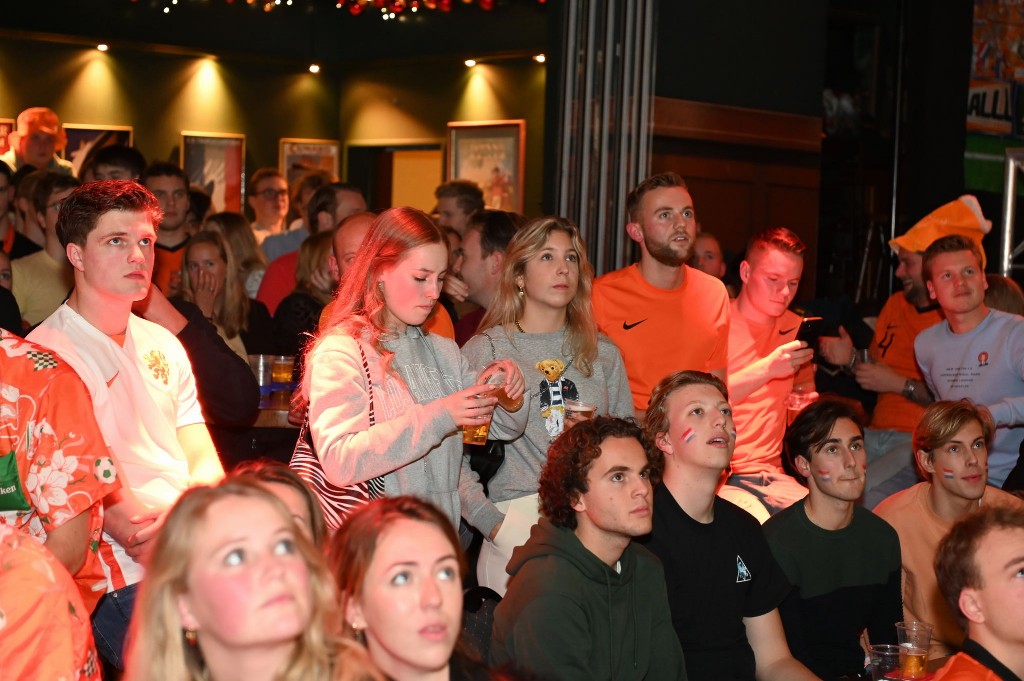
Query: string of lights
(388, 9)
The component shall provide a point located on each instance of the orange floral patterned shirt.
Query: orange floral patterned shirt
(54, 463)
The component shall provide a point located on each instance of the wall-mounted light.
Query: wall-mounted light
(470, 63)
(540, 58)
(314, 68)
(102, 47)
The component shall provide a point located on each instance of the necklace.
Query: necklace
(518, 326)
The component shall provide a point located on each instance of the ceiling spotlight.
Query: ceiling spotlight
(540, 58)
(471, 62)
(102, 47)
(314, 68)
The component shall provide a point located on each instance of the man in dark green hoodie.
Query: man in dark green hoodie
(584, 602)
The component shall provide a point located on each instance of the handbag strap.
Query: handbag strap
(306, 432)
(494, 355)
(369, 381)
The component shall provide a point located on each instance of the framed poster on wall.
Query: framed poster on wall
(6, 128)
(86, 140)
(492, 154)
(298, 156)
(215, 161)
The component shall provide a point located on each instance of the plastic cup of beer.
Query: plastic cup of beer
(495, 376)
(914, 639)
(580, 410)
(885, 662)
(799, 398)
(475, 435)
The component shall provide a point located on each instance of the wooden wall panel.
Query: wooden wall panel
(746, 171)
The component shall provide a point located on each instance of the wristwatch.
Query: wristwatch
(908, 389)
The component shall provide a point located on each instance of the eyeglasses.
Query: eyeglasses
(271, 194)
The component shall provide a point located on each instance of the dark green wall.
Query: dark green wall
(747, 53)
(162, 94)
(415, 101)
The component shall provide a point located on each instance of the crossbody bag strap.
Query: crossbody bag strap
(494, 355)
(369, 381)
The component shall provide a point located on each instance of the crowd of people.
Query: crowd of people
(663, 493)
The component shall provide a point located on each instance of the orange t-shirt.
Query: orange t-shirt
(963, 667)
(920, 530)
(898, 325)
(662, 331)
(46, 633)
(760, 418)
(167, 266)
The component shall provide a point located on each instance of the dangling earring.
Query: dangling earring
(190, 637)
(521, 292)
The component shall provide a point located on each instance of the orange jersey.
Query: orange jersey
(760, 418)
(167, 267)
(898, 325)
(662, 331)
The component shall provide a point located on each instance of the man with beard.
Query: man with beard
(893, 371)
(662, 314)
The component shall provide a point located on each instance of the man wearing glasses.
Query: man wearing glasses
(42, 280)
(268, 199)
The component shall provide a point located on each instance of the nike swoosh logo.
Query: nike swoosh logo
(627, 327)
(783, 333)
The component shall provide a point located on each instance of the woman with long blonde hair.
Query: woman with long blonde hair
(298, 315)
(209, 280)
(386, 399)
(235, 590)
(250, 262)
(541, 319)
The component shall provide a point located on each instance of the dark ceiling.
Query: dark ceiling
(309, 30)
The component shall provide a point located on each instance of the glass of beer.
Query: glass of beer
(281, 380)
(914, 639)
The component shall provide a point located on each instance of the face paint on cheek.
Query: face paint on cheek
(732, 434)
(948, 473)
(688, 435)
(825, 476)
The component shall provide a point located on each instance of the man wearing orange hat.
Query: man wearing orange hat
(892, 371)
(38, 137)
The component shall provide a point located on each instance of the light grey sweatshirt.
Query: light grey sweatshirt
(519, 475)
(414, 442)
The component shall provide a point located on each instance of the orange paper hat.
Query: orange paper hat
(963, 217)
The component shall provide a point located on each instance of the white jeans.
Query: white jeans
(520, 515)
